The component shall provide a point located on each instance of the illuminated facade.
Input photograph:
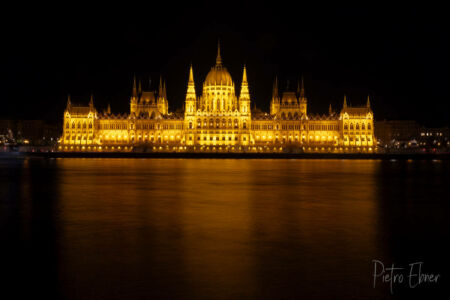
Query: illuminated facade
(217, 121)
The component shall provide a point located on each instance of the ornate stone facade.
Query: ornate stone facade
(218, 121)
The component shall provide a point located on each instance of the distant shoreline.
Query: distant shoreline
(384, 156)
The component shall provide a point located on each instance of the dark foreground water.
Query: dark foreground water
(180, 228)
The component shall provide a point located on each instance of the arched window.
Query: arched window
(79, 125)
(351, 126)
(84, 125)
(357, 126)
(190, 125)
(244, 125)
(235, 123)
(90, 125)
(67, 125)
(363, 127)
(345, 126)
(369, 127)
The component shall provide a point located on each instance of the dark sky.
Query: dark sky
(398, 55)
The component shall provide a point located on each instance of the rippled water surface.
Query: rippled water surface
(205, 228)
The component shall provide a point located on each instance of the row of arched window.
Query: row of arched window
(363, 127)
(79, 125)
(218, 123)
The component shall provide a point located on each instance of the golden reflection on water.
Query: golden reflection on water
(215, 227)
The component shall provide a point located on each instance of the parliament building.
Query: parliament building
(218, 121)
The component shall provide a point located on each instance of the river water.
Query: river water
(213, 228)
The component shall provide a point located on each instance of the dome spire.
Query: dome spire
(218, 59)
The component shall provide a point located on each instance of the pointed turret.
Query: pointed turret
(190, 103)
(275, 103)
(140, 88)
(191, 85)
(330, 110)
(69, 103)
(302, 89)
(275, 89)
(368, 101)
(160, 91)
(108, 110)
(302, 99)
(91, 102)
(191, 75)
(164, 91)
(345, 101)
(134, 86)
(219, 58)
(245, 94)
(134, 97)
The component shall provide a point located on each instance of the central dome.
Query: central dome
(218, 74)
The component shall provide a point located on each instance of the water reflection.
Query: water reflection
(140, 228)
(217, 227)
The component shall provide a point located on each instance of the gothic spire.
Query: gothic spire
(108, 110)
(191, 75)
(164, 90)
(140, 87)
(330, 110)
(134, 86)
(69, 103)
(244, 76)
(302, 89)
(345, 101)
(91, 102)
(275, 88)
(218, 59)
(160, 91)
(244, 86)
(368, 101)
(191, 85)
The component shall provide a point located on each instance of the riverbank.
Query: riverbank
(402, 156)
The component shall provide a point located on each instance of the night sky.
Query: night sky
(398, 55)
